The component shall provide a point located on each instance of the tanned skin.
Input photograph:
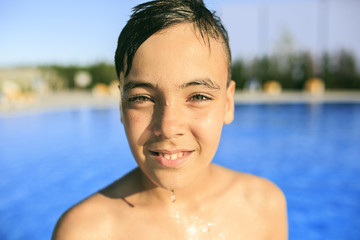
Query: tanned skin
(175, 101)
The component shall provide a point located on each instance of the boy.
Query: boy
(173, 62)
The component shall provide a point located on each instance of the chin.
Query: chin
(173, 179)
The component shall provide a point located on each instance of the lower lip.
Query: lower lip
(168, 163)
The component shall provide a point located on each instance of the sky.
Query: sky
(85, 31)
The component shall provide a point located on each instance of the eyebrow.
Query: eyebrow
(207, 82)
(134, 84)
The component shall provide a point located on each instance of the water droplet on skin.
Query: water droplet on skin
(172, 196)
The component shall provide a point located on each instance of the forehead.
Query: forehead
(180, 52)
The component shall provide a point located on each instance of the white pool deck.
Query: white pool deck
(80, 99)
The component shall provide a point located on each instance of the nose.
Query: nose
(168, 121)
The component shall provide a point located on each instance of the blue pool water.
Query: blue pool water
(52, 160)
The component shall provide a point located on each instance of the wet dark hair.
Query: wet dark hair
(151, 17)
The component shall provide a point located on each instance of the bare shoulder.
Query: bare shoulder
(101, 216)
(90, 219)
(261, 198)
(255, 189)
(267, 200)
(260, 190)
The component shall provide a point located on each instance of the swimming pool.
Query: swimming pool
(50, 161)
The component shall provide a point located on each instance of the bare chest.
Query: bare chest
(197, 226)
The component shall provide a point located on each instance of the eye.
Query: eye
(200, 98)
(139, 99)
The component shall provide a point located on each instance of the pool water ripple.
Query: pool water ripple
(50, 161)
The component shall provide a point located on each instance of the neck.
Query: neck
(188, 195)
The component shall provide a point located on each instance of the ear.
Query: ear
(120, 102)
(121, 112)
(229, 112)
(121, 115)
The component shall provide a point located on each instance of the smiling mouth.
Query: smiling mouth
(168, 156)
(171, 159)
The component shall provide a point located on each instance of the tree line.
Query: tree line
(337, 70)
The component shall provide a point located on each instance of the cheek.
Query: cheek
(207, 128)
(135, 125)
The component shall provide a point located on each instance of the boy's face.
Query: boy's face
(175, 101)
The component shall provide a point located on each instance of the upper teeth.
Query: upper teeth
(171, 156)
